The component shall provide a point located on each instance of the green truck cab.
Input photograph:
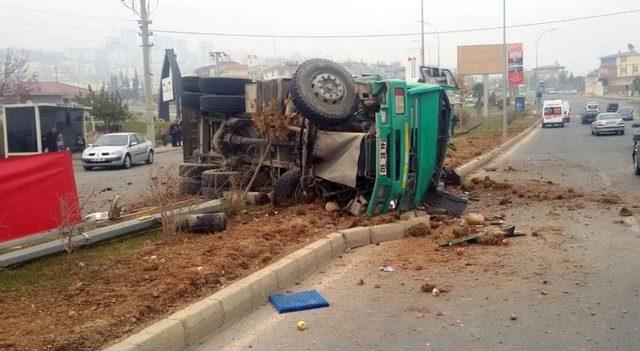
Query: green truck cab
(412, 132)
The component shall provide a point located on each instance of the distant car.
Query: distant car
(626, 113)
(592, 106)
(613, 107)
(591, 110)
(607, 123)
(117, 150)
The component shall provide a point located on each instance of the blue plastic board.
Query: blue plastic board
(303, 300)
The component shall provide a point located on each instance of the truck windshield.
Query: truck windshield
(592, 107)
(553, 110)
(111, 140)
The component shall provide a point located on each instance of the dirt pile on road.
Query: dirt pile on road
(97, 295)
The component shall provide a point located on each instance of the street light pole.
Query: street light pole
(437, 36)
(538, 41)
(422, 31)
(505, 73)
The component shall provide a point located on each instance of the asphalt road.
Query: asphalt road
(577, 290)
(100, 185)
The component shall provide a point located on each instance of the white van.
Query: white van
(566, 111)
(552, 113)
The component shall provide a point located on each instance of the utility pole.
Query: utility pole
(422, 32)
(505, 73)
(146, 58)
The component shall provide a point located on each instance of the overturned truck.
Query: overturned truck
(371, 145)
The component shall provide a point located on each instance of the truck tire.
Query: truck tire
(324, 92)
(191, 84)
(192, 100)
(191, 172)
(223, 86)
(286, 186)
(222, 103)
(190, 187)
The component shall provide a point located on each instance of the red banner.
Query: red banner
(38, 193)
(515, 64)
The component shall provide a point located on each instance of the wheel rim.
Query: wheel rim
(127, 161)
(328, 88)
(150, 156)
(635, 163)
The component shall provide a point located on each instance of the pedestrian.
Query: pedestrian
(51, 140)
(174, 133)
(80, 142)
(163, 135)
(60, 143)
(179, 133)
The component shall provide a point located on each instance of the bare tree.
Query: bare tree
(16, 80)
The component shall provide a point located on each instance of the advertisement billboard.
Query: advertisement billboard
(489, 59)
(515, 64)
(480, 59)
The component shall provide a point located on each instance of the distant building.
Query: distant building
(54, 93)
(617, 71)
(549, 74)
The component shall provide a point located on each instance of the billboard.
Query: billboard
(489, 59)
(480, 59)
(515, 64)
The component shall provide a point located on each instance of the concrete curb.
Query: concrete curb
(192, 324)
(473, 165)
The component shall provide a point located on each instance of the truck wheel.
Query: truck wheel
(324, 92)
(191, 100)
(191, 84)
(190, 187)
(636, 166)
(190, 171)
(223, 86)
(222, 103)
(286, 186)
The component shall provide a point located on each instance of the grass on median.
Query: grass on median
(53, 271)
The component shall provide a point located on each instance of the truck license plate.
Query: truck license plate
(100, 159)
(383, 158)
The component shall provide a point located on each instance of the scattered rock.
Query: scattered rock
(439, 314)
(543, 292)
(514, 317)
(427, 287)
(331, 207)
(459, 251)
(360, 282)
(625, 212)
(377, 286)
(418, 268)
(435, 292)
(419, 229)
(474, 219)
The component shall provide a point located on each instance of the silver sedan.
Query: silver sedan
(607, 123)
(117, 150)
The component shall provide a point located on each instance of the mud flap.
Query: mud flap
(439, 199)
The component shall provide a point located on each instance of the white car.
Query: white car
(117, 150)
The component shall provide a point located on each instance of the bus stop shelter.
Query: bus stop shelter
(24, 126)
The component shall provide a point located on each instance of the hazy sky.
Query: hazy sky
(51, 24)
